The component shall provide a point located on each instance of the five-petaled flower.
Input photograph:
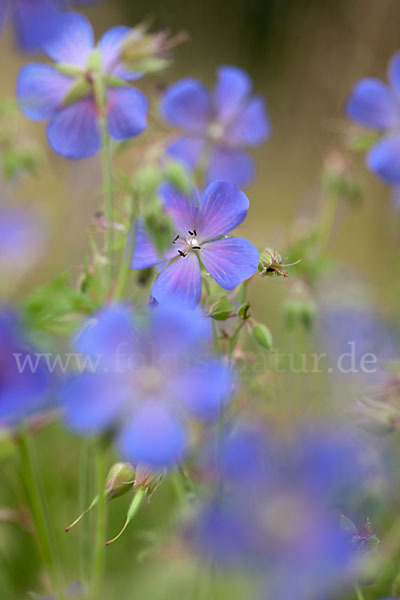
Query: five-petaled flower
(217, 127)
(201, 226)
(25, 383)
(35, 21)
(87, 83)
(376, 105)
(151, 377)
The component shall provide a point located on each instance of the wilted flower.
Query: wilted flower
(149, 380)
(35, 21)
(201, 226)
(376, 105)
(277, 515)
(87, 83)
(217, 127)
(25, 383)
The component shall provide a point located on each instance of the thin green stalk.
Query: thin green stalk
(358, 591)
(32, 485)
(84, 499)
(99, 548)
(108, 201)
(327, 222)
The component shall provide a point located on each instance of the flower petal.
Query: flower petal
(182, 209)
(222, 208)
(74, 131)
(188, 150)
(91, 402)
(110, 48)
(230, 261)
(180, 281)
(74, 41)
(233, 86)
(231, 165)
(252, 127)
(110, 331)
(145, 254)
(204, 389)
(154, 437)
(187, 104)
(384, 159)
(127, 110)
(35, 22)
(41, 90)
(373, 104)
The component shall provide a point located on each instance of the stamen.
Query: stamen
(177, 238)
(195, 232)
(196, 248)
(191, 232)
(181, 253)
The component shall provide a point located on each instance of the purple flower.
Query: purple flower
(376, 105)
(201, 226)
(67, 94)
(21, 239)
(150, 377)
(25, 383)
(217, 127)
(275, 515)
(35, 21)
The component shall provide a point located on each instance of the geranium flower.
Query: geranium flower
(277, 515)
(217, 127)
(376, 105)
(150, 377)
(201, 225)
(35, 21)
(67, 93)
(25, 382)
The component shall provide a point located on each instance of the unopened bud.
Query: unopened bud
(262, 335)
(299, 311)
(120, 479)
(221, 308)
(177, 175)
(147, 179)
(159, 225)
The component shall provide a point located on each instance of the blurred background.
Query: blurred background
(304, 56)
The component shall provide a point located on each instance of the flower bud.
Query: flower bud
(159, 225)
(177, 175)
(299, 311)
(271, 263)
(221, 309)
(147, 179)
(120, 479)
(262, 335)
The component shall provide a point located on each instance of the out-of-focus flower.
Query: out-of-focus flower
(25, 382)
(201, 226)
(376, 105)
(217, 127)
(35, 21)
(277, 512)
(358, 340)
(87, 83)
(21, 240)
(151, 376)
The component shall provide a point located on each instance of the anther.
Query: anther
(195, 232)
(177, 238)
(181, 253)
(191, 232)
(196, 248)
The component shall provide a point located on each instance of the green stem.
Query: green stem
(326, 222)
(84, 498)
(358, 591)
(32, 485)
(98, 566)
(108, 201)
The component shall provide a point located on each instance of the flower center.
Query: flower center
(216, 131)
(187, 243)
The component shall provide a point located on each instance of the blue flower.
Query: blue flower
(21, 240)
(25, 382)
(275, 515)
(65, 93)
(151, 376)
(217, 127)
(201, 226)
(35, 21)
(376, 105)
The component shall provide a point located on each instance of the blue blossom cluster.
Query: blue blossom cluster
(276, 509)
